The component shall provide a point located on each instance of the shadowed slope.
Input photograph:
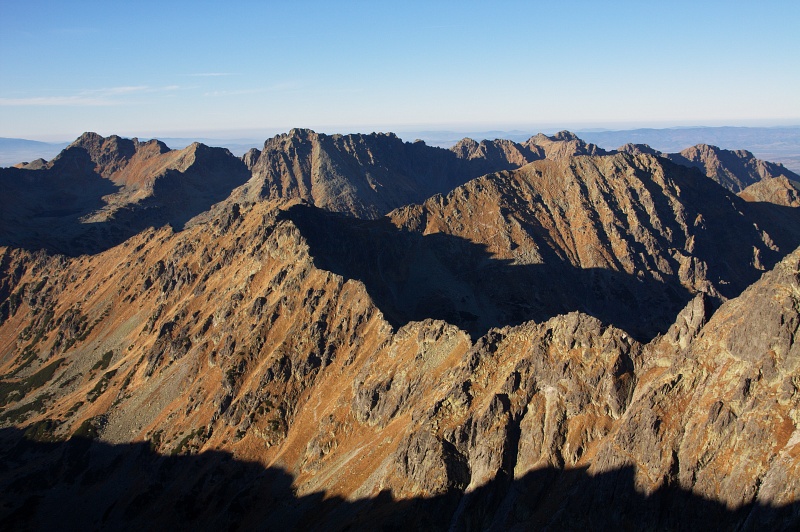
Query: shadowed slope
(635, 214)
(627, 239)
(366, 176)
(412, 277)
(733, 169)
(100, 191)
(83, 483)
(228, 337)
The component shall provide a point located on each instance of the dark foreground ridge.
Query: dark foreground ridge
(86, 484)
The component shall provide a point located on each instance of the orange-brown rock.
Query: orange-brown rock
(629, 227)
(366, 175)
(561, 145)
(778, 190)
(733, 169)
(485, 359)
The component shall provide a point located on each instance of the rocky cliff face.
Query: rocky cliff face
(630, 227)
(563, 144)
(577, 342)
(498, 154)
(733, 169)
(778, 191)
(367, 175)
(732, 389)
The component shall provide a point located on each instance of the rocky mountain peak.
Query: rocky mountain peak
(99, 191)
(635, 149)
(109, 154)
(565, 135)
(302, 134)
(97, 145)
(562, 144)
(733, 169)
(778, 190)
(36, 164)
(464, 147)
(532, 331)
(152, 146)
(498, 154)
(88, 139)
(251, 157)
(539, 138)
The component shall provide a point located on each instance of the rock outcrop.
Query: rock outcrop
(582, 341)
(733, 169)
(643, 232)
(778, 190)
(561, 145)
(366, 175)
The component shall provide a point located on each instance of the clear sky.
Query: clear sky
(173, 68)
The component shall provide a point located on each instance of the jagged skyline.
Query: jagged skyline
(191, 67)
(362, 335)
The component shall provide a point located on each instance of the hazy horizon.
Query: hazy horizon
(189, 68)
(268, 132)
(776, 144)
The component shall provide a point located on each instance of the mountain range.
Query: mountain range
(778, 144)
(356, 332)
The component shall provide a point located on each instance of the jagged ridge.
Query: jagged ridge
(258, 330)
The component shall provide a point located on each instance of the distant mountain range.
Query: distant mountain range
(777, 144)
(13, 151)
(353, 332)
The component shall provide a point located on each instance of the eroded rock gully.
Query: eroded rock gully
(580, 342)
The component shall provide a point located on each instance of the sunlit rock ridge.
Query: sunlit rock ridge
(352, 331)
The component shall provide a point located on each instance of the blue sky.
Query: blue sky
(175, 68)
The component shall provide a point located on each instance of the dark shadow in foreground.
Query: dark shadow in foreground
(86, 484)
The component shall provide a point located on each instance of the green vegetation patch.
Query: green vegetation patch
(16, 390)
(28, 356)
(183, 444)
(191, 442)
(155, 440)
(104, 361)
(19, 414)
(71, 412)
(101, 386)
(38, 286)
